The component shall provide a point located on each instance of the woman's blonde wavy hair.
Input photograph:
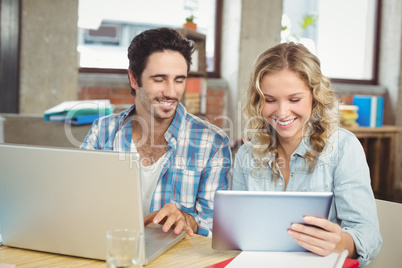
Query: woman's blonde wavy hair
(324, 116)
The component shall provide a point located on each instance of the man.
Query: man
(184, 159)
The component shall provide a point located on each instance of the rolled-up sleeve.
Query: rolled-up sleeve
(215, 176)
(354, 200)
(91, 141)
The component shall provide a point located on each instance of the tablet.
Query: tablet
(259, 221)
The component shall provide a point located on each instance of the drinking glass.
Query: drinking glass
(124, 248)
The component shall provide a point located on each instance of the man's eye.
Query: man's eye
(158, 80)
(179, 81)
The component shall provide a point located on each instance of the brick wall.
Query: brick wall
(115, 95)
(215, 106)
(122, 99)
(119, 97)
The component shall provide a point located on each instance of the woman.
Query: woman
(292, 142)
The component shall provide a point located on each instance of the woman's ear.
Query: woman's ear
(133, 81)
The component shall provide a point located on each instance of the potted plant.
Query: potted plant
(190, 23)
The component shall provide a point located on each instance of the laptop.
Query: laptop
(64, 200)
(259, 220)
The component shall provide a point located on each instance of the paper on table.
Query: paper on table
(5, 265)
(287, 259)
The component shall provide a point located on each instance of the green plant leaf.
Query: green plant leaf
(307, 21)
(190, 18)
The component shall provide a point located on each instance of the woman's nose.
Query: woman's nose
(282, 110)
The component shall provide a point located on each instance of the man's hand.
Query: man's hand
(172, 217)
(330, 238)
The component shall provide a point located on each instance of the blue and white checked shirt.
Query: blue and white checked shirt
(199, 161)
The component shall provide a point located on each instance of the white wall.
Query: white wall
(390, 67)
(390, 52)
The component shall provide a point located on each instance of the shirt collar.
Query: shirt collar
(303, 147)
(175, 125)
(127, 113)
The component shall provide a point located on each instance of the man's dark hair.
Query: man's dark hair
(156, 40)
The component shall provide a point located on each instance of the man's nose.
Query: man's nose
(169, 89)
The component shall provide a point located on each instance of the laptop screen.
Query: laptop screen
(64, 200)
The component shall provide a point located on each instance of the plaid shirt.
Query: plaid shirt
(199, 161)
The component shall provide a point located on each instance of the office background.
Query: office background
(46, 59)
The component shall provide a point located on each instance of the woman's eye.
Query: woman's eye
(295, 100)
(269, 101)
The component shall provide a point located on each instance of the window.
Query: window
(342, 33)
(106, 28)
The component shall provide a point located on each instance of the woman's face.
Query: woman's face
(288, 104)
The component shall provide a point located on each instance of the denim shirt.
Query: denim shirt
(341, 169)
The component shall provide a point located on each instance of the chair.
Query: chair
(390, 218)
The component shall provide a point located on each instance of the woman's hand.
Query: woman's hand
(324, 240)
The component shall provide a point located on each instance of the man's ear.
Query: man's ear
(133, 81)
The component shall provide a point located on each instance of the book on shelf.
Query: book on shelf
(194, 85)
(78, 112)
(370, 110)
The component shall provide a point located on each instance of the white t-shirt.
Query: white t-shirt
(149, 178)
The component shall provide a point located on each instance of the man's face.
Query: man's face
(163, 84)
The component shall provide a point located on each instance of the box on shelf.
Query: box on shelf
(371, 110)
(348, 115)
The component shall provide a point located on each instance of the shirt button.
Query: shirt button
(280, 184)
(291, 174)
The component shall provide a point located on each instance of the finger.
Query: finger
(315, 238)
(331, 231)
(149, 219)
(315, 249)
(189, 231)
(313, 244)
(308, 230)
(170, 221)
(322, 223)
(162, 213)
(180, 225)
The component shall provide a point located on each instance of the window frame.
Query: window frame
(217, 50)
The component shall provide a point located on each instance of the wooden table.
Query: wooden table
(381, 145)
(193, 251)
